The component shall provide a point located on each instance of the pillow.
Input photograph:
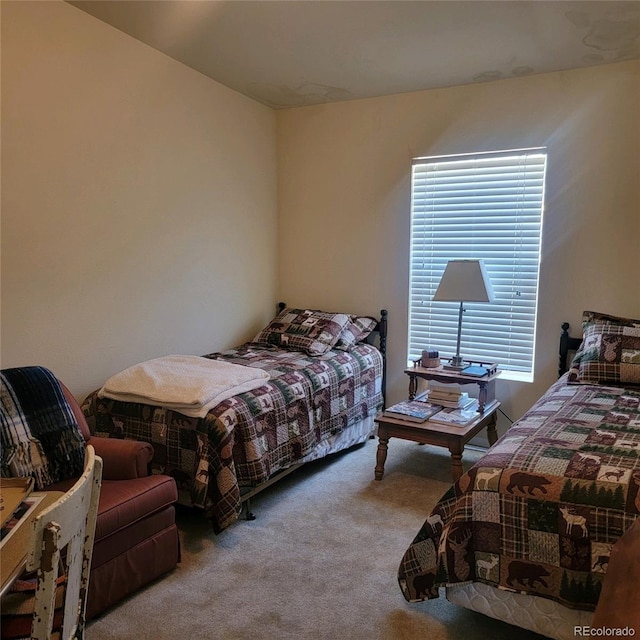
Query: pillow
(609, 354)
(595, 317)
(314, 332)
(590, 318)
(39, 433)
(358, 328)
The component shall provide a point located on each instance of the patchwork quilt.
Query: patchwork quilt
(249, 437)
(540, 512)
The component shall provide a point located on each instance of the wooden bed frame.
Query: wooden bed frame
(381, 332)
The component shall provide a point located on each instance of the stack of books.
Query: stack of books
(413, 410)
(448, 395)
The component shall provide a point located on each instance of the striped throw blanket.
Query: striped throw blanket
(39, 433)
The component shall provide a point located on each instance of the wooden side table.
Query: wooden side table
(452, 437)
(486, 384)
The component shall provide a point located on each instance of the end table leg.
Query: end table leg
(492, 434)
(482, 396)
(413, 386)
(381, 457)
(456, 461)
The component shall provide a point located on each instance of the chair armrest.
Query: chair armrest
(122, 459)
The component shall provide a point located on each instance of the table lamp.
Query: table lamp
(463, 281)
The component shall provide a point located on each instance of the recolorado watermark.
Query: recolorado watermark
(603, 632)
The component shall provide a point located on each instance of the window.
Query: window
(484, 206)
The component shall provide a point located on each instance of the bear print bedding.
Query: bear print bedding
(540, 512)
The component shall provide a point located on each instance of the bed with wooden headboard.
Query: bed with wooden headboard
(526, 535)
(326, 379)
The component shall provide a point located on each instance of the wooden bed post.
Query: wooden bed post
(564, 348)
(382, 328)
(567, 343)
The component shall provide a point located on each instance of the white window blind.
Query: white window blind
(484, 206)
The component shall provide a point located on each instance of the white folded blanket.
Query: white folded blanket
(191, 385)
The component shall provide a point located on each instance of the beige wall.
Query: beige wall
(145, 211)
(344, 198)
(138, 201)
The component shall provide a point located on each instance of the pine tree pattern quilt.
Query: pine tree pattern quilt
(540, 512)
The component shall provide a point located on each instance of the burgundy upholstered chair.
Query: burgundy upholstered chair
(136, 538)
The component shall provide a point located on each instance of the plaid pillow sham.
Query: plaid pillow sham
(595, 317)
(357, 330)
(609, 354)
(314, 332)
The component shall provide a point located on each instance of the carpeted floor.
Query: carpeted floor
(319, 562)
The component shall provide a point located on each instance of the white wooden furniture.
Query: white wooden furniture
(15, 548)
(68, 523)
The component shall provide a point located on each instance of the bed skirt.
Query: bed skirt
(356, 434)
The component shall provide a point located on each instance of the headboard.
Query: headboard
(567, 343)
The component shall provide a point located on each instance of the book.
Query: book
(27, 506)
(475, 370)
(413, 410)
(462, 403)
(12, 492)
(446, 400)
(435, 393)
(456, 417)
(445, 391)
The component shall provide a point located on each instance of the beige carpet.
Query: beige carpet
(319, 562)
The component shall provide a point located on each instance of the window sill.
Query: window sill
(516, 376)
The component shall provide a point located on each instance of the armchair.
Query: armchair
(136, 538)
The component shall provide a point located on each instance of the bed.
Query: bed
(526, 534)
(326, 378)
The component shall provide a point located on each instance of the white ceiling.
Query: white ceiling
(301, 52)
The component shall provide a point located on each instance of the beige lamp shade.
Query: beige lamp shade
(464, 281)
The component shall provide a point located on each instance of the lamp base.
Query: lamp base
(456, 364)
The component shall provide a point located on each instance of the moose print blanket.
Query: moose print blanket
(540, 512)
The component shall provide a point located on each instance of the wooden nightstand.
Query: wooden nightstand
(452, 437)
